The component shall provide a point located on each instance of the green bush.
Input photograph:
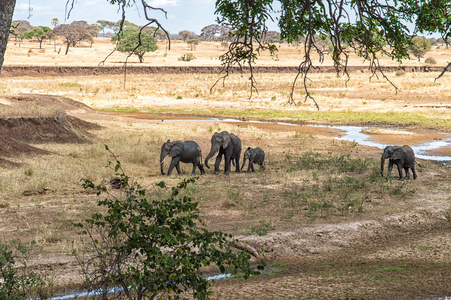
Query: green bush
(20, 283)
(149, 246)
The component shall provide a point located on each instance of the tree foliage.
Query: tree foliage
(40, 33)
(247, 20)
(215, 32)
(105, 24)
(185, 34)
(420, 46)
(133, 41)
(19, 28)
(72, 34)
(369, 27)
(144, 246)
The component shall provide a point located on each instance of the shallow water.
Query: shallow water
(75, 295)
(355, 134)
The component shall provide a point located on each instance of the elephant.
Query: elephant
(227, 144)
(403, 157)
(254, 155)
(186, 152)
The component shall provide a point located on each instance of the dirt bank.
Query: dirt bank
(38, 71)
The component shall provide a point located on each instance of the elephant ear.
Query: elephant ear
(176, 150)
(399, 153)
(226, 139)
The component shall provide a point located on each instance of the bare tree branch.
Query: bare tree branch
(443, 71)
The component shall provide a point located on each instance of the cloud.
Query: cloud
(94, 2)
(164, 3)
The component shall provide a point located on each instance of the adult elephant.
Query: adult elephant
(227, 145)
(186, 152)
(403, 157)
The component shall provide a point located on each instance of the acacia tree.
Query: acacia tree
(368, 27)
(129, 40)
(19, 29)
(185, 34)
(420, 45)
(105, 24)
(40, 33)
(72, 34)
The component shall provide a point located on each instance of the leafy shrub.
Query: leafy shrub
(187, 57)
(430, 61)
(20, 283)
(143, 246)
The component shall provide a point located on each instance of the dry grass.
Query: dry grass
(306, 182)
(54, 112)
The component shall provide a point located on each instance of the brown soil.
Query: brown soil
(19, 133)
(406, 255)
(392, 250)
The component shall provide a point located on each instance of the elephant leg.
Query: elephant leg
(398, 164)
(177, 166)
(227, 161)
(237, 159)
(251, 163)
(201, 168)
(249, 166)
(262, 165)
(218, 162)
(194, 168)
(413, 171)
(407, 173)
(174, 163)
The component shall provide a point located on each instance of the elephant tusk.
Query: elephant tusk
(163, 160)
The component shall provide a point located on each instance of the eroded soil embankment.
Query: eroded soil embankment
(10, 71)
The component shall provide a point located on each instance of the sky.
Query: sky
(191, 15)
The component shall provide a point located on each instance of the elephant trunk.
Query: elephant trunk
(213, 151)
(244, 163)
(384, 156)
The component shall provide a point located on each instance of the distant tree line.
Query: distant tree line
(80, 31)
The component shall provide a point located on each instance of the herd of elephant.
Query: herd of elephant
(229, 145)
(222, 144)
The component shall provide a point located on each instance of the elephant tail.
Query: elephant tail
(418, 164)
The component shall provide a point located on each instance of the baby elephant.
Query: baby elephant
(254, 155)
(401, 156)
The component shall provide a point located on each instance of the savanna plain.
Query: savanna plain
(320, 215)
